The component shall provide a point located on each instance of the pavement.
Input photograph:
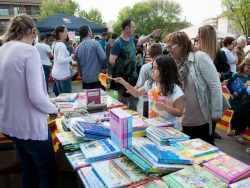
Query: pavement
(227, 144)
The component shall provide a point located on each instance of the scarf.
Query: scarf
(183, 71)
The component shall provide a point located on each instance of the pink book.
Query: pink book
(118, 130)
(138, 123)
(228, 169)
(93, 96)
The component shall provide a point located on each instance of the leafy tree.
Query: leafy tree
(51, 7)
(94, 15)
(238, 11)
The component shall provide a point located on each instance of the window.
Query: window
(27, 9)
(16, 10)
(4, 10)
(36, 9)
(3, 24)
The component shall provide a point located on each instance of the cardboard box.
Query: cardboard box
(11, 181)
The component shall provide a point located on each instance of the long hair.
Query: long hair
(169, 75)
(240, 68)
(183, 40)
(209, 41)
(59, 29)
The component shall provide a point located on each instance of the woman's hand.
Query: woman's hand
(120, 80)
(161, 106)
(73, 56)
(53, 116)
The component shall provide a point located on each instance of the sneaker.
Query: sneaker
(230, 133)
(248, 150)
(239, 139)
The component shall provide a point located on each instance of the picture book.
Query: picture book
(195, 147)
(93, 96)
(202, 159)
(78, 134)
(154, 184)
(191, 177)
(131, 169)
(143, 183)
(166, 154)
(241, 184)
(70, 105)
(138, 123)
(157, 121)
(76, 159)
(68, 122)
(237, 86)
(110, 174)
(156, 140)
(91, 178)
(99, 149)
(79, 173)
(68, 97)
(67, 138)
(92, 128)
(139, 141)
(100, 116)
(228, 168)
(139, 133)
(111, 102)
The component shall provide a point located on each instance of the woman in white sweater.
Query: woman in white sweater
(62, 58)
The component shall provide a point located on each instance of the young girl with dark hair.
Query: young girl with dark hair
(164, 92)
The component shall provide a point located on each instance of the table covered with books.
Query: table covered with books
(117, 147)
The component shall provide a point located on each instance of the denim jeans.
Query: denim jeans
(46, 69)
(36, 156)
(63, 86)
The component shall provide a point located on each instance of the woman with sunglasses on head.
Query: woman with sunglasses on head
(208, 43)
(61, 68)
(203, 101)
(24, 103)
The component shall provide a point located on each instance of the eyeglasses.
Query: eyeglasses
(172, 47)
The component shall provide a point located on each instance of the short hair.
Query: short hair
(241, 39)
(42, 36)
(125, 23)
(154, 50)
(114, 36)
(58, 29)
(104, 34)
(157, 41)
(228, 41)
(97, 38)
(83, 31)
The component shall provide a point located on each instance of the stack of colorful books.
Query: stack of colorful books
(67, 123)
(121, 128)
(157, 121)
(66, 97)
(165, 135)
(76, 105)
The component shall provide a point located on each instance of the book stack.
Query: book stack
(76, 159)
(111, 102)
(66, 97)
(157, 121)
(72, 106)
(139, 141)
(193, 176)
(138, 124)
(101, 118)
(69, 122)
(121, 128)
(228, 169)
(91, 179)
(165, 135)
(241, 184)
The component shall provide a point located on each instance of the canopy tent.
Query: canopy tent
(72, 23)
(192, 32)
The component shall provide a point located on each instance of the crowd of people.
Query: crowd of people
(181, 84)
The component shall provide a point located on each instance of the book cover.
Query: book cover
(228, 168)
(110, 174)
(138, 123)
(66, 97)
(157, 121)
(93, 96)
(195, 147)
(202, 159)
(241, 184)
(79, 173)
(110, 102)
(154, 184)
(143, 183)
(70, 105)
(91, 178)
(237, 85)
(67, 138)
(139, 141)
(130, 169)
(166, 154)
(139, 133)
(92, 128)
(76, 159)
(99, 116)
(191, 177)
(68, 122)
(99, 149)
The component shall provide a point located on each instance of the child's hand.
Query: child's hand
(235, 95)
(161, 106)
(224, 83)
(120, 80)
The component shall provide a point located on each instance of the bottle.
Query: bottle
(248, 89)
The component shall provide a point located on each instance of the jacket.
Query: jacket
(222, 66)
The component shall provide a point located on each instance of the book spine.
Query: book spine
(208, 152)
(99, 177)
(105, 156)
(172, 161)
(130, 131)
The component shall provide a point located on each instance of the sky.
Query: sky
(195, 11)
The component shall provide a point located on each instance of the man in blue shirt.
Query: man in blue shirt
(102, 41)
(124, 48)
(91, 59)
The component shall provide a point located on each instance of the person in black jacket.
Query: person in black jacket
(208, 43)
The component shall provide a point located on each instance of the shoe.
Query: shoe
(248, 150)
(217, 136)
(230, 133)
(239, 139)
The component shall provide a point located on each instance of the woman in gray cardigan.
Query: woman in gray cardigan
(203, 100)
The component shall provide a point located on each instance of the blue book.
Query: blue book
(99, 149)
(237, 86)
(91, 178)
(82, 179)
(93, 128)
(83, 136)
(166, 154)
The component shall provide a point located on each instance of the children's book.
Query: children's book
(202, 159)
(154, 184)
(138, 123)
(228, 169)
(237, 86)
(67, 138)
(79, 173)
(66, 97)
(110, 174)
(91, 178)
(130, 169)
(92, 128)
(76, 159)
(99, 149)
(139, 133)
(157, 121)
(241, 184)
(110, 102)
(139, 141)
(195, 147)
(70, 105)
(144, 183)
(68, 122)
(191, 177)
(93, 96)
(102, 118)
(166, 154)
(157, 140)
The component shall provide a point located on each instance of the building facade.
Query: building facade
(226, 25)
(213, 21)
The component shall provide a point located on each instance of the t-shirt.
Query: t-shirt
(102, 43)
(154, 96)
(125, 49)
(230, 58)
(43, 51)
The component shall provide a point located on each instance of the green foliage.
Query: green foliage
(94, 15)
(238, 12)
(51, 7)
